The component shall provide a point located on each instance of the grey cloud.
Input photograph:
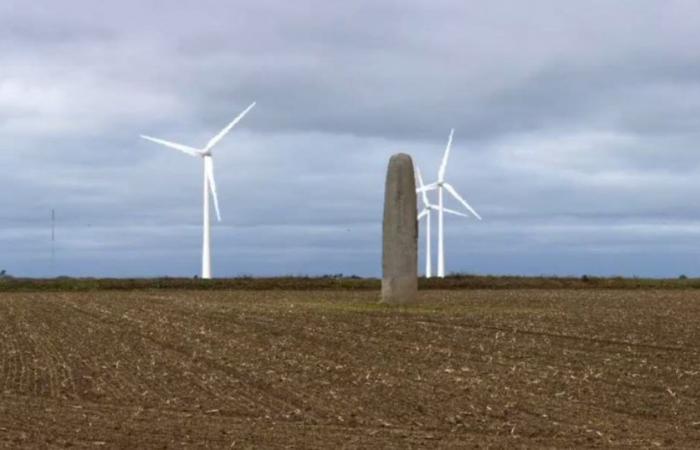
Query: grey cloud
(576, 132)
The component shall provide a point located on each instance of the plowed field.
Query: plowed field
(269, 369)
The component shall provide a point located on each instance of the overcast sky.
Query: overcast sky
(577, 133)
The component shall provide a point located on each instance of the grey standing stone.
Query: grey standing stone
(400, 233)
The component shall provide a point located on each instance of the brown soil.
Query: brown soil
(269, 369)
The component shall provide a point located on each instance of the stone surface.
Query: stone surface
(400, 233)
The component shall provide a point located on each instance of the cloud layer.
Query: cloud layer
(577, 133)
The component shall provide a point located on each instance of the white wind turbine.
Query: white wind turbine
(441, 184)
(209, 183)
(426, 212)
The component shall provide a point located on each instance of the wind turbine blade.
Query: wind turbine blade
(459, 198)
(209, 162)
(456, 213)
(183, 148)
(443, 165)
(420, 185)
(428, 187)
(423, 214)
(419, 177)
(215, 140)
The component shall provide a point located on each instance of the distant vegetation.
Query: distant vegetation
(340, 282)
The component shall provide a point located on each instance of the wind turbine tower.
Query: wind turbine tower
(427, 212)
(209, 183)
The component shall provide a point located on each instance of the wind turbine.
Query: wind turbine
(209, 183)
(441, 184)
(426, 212)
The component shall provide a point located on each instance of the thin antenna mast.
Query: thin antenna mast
(53, 240)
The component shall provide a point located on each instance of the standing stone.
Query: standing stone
(400, 233)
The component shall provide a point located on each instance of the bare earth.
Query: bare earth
(270, 369)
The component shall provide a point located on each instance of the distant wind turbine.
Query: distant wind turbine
(209, 183)
(426, 212)
(441, 184)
